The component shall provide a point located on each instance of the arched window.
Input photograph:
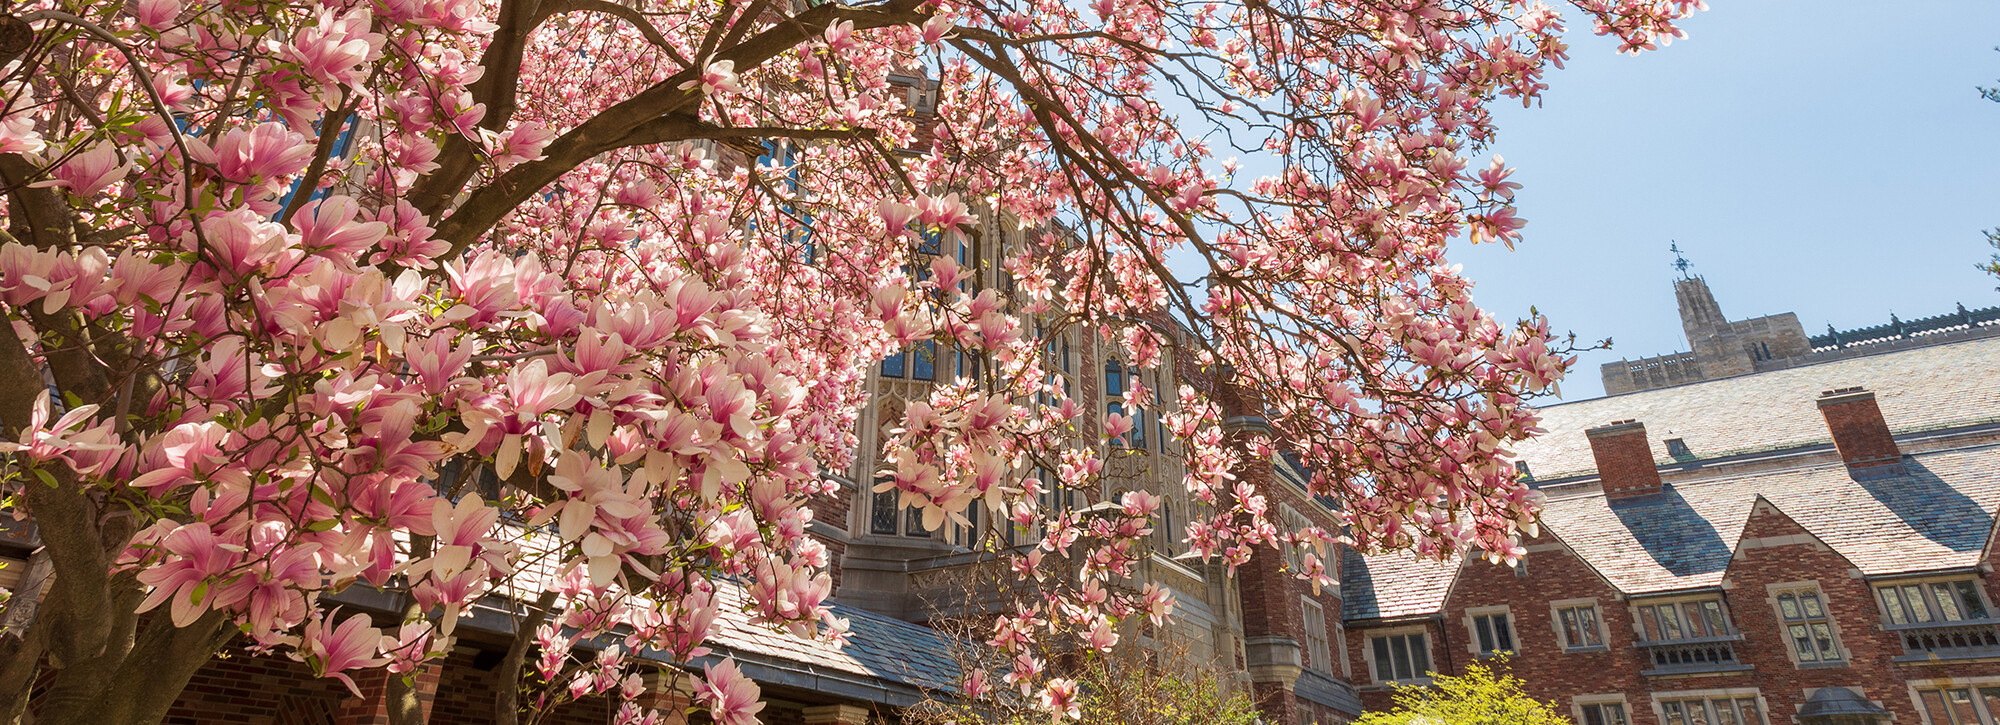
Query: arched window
(1114, 396)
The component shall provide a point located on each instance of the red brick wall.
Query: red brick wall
(1548, 672)
(1378, 697)
(1775, 551)
(1855, 614)
(241, 689)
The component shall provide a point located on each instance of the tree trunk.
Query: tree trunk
(507, 676)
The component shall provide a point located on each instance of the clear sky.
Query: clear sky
(1826, 157)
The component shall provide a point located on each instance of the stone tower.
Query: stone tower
(1720, 347)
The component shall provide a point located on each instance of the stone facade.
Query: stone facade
(1720, 347)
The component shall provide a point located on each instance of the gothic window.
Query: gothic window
(1604, 713)
(1579, 627)
(923, 360)
(1319, 656)
(1114, 395)
(1713, 711)
(1808, 628)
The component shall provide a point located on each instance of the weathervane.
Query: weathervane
(1680, 262)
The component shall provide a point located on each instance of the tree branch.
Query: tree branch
(616, 127)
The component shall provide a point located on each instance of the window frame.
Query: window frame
(1295, 554)
(1476, 644)
(1318, 650)
(1663, 702)
(1984, 690)
(1114, 402)
(1777, 594)
(1581, 704)
(1651, 605)
(1601, 628)
(1402, 635)
(1340, 646)
(909, 521)
(1932, 608)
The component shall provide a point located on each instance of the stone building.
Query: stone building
(1739, 537)
(1719, 347)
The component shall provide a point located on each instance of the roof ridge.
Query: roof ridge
(1995, 339)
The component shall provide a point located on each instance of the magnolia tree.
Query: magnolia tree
(285, 278)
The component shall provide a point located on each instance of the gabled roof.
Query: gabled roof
(1926, 388)
(1395, 584)
(1935, 516)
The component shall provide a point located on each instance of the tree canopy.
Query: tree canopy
(1481, 696)
(286, 280)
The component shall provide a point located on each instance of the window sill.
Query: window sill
(1823, 665)
(1978, 654)
(1696, 670)
(1586, 649)
(1392, 684)
(1939, 625)
(1493, 655)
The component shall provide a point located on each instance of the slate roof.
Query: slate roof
(1920, 389)
(881, 648)
(1936, 516)
(1395, 584)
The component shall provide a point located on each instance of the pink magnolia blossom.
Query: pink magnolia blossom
(717, 77)
(92, 171)
(731, 698)
(1059, 697)
(348, 646)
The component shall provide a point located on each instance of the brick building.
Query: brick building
(1787, 537)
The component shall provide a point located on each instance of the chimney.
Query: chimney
(1624, 460)
(1859, 431)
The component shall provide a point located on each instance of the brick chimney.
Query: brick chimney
(1624, 460)
(1859, 431)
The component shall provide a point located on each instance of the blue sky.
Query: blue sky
(1828, 158)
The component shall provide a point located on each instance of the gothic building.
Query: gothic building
(1719, 347)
